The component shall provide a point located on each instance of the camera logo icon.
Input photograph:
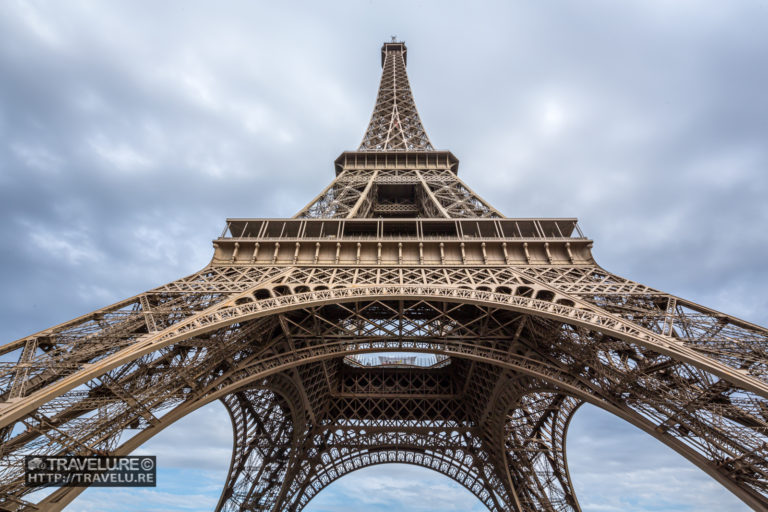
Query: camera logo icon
(35, 463)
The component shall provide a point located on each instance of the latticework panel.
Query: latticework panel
(714, 421)
(395, 123)
(403, 193)
(264, 443)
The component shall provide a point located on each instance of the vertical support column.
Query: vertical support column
(149, 318)
(22, 369)
(431, 196)
(363, 196)
(267, 430)
(535, 451)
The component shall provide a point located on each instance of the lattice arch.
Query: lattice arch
(638, 391)
(451, 465)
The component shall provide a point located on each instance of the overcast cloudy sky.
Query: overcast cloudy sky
(129, 130)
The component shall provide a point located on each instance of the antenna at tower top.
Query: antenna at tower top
(394, 46)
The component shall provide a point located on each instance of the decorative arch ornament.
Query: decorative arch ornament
(395, 255)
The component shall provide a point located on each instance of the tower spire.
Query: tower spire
(395, 123)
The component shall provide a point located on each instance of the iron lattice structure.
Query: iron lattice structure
(496, 330)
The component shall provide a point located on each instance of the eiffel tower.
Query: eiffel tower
(398, 317)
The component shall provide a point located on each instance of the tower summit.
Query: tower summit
(395, 124)
(396, 172)
(398, 317)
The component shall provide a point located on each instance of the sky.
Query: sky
(129, 131)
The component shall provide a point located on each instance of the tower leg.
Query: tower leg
(263, 441)
(535, 431)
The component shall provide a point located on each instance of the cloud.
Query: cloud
(72, 247)
(617, 467)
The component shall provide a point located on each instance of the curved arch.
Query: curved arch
(582, 315)
(65, 495)
(412, 457)
(578, 386)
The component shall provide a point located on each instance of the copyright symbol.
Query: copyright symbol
(147, 464)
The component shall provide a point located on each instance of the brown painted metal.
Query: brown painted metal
(396, 255)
